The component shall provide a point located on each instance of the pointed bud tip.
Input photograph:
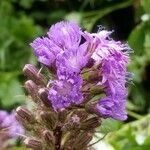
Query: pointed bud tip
(43, 95)
(26, 66)
(25, 114)
(33, 73)
(33, 143)
(42, 91)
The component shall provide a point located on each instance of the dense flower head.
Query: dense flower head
(69, 55)
(73, 60)
(113, 57)
(45, 50)
(65, 34)
(3, 115)
(113, 71)
(111, 106)
(10, 125)
(61, 37)
(66, 91)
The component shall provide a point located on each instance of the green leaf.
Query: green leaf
(26, 3)
(109, 125)
(126, 137)
(11, 90)
(146, 5)
(137, 38)
(147, 41)
(131, 106)
(90, 18)
(139, 147)
(17, 148)
(55, 16)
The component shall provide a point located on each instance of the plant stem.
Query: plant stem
(58, 135)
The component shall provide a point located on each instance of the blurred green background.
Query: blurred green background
(23, 20)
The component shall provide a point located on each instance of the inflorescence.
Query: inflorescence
(84, 80)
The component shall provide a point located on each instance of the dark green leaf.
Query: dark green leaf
(137, 38)
(109, 125)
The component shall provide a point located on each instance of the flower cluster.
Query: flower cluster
(64, 50)
(113, 58)
(9, 129)
(82, 80)
(9, 124)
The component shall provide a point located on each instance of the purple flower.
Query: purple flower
(15, 128)
(64, 50)
(73, 60)
(8, 121)
(113, 107)
(65, 34)
(102, 45)
(112, 57)
(45, 50)
(63, 37)
(3, 115)
(65, 92)
(113, 72)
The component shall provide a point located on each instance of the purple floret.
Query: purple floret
(65, 34)
(63, 39)
(103, 45)
(113, 72)
(73, 60)
(65, 92)
(15, 128)
(9, 122)
(64, 50)
(112, 107)
(45, 50)
(3, 115)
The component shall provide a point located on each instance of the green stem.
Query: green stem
(133, 114)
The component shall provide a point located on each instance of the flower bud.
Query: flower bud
(33, 73)
(26, 125)
(94, 75)
(25, 114)
(32, 88)
(82, 114)
(82, 140)
(49, 119)
(62, 115)
(69, 139)
(73, 123)
(90, 123)
(87, 97)
(90, 107)
(43, 95)
(97, 90)
(49, 138)
(33, 144)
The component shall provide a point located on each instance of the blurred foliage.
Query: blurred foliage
(23, 20)
(139, 40)
(16, 32)
(132, 136)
